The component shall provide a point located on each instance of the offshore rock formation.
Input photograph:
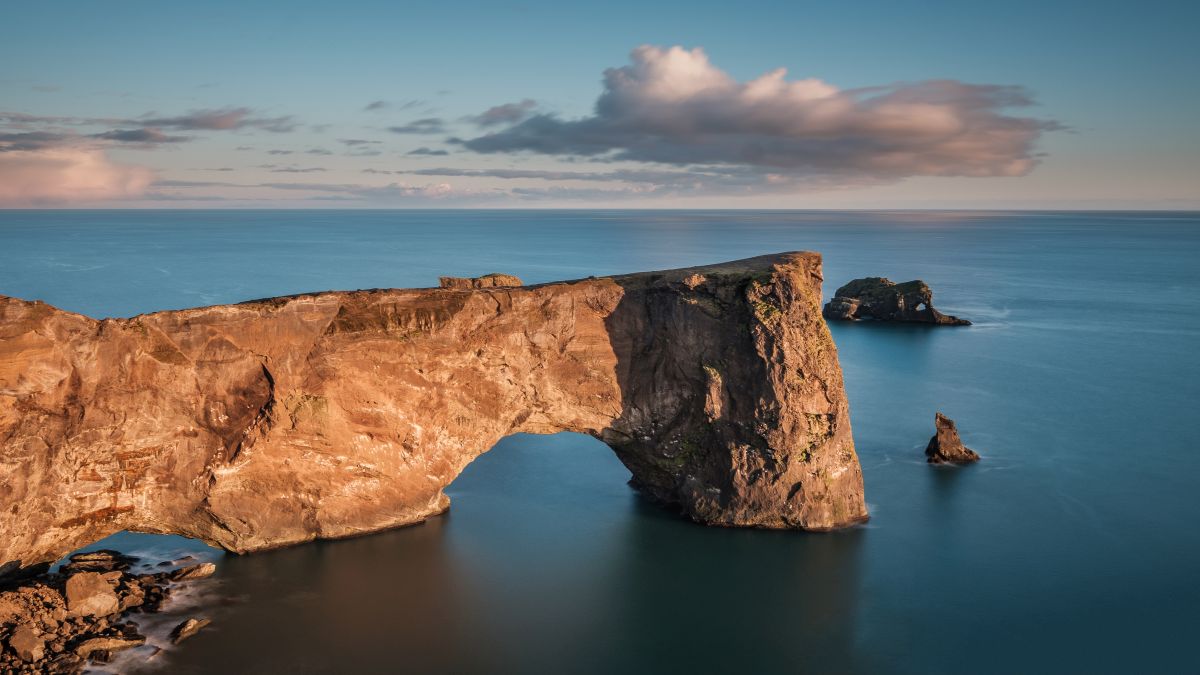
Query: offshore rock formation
(327, 415)
(881, 299)
(946, 447)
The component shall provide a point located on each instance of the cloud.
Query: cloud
(393, 192)
(9, 118)
(280, 152)
(673, 107)
(375, 106)
(32, 140)
(625, 175)
(42, 140)
(147, 136)
(223, 119)
(710, 180)
(66, 175)
(430, 152)
(508, 113)
(427, 125)
(354, 142)
(318, 151)
(292, 169)
(196, 183)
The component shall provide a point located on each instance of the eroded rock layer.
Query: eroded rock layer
(326, 415)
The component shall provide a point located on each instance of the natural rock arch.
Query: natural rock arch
(328, 415)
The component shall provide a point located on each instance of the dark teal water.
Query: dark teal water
(1074, 546)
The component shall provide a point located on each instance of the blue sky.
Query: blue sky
(1112, 120)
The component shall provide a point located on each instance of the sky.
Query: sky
(999, 105)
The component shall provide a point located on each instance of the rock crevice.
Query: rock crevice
(328, 415)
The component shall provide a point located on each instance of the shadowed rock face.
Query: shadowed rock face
(881, 299)
(334, 414)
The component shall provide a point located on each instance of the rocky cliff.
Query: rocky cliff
(327, 415)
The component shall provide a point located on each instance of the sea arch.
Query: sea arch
(328, 415)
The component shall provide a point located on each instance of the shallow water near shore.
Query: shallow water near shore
(1072, 547)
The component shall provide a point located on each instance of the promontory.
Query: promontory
(326, 415)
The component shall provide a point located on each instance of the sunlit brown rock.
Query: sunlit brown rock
(946, 447)
(187, 629)
(493, 280)
(26, 643)
(334, 414)
(90, 594)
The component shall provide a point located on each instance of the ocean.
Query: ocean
(1072, 547)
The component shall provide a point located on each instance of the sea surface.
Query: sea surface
(1073, 547)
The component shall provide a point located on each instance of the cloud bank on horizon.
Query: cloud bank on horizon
(668, 123)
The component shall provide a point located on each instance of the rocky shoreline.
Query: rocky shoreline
(86, 611)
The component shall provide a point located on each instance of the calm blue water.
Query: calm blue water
(1074, 546)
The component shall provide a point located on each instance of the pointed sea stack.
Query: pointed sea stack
(946, 447)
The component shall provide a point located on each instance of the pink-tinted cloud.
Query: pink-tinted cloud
(672, 106)
(66, 175)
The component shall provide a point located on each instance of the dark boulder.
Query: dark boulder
(104, 560)
(946, 447)
(880, 299)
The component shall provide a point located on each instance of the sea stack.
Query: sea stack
(946, 447)
(328, 415)
(880, 299)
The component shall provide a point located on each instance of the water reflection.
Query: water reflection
(547, 562)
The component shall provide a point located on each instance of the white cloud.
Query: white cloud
(672, 106)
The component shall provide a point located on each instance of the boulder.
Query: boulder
(198, 571)
(187, 629)
(131, 595)
(27, 644)
(108, 644)
(104, 560)
(10, 607)
(90, 594)
(946, 447)
(880, 299)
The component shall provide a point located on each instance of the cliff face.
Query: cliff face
(328, 415)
